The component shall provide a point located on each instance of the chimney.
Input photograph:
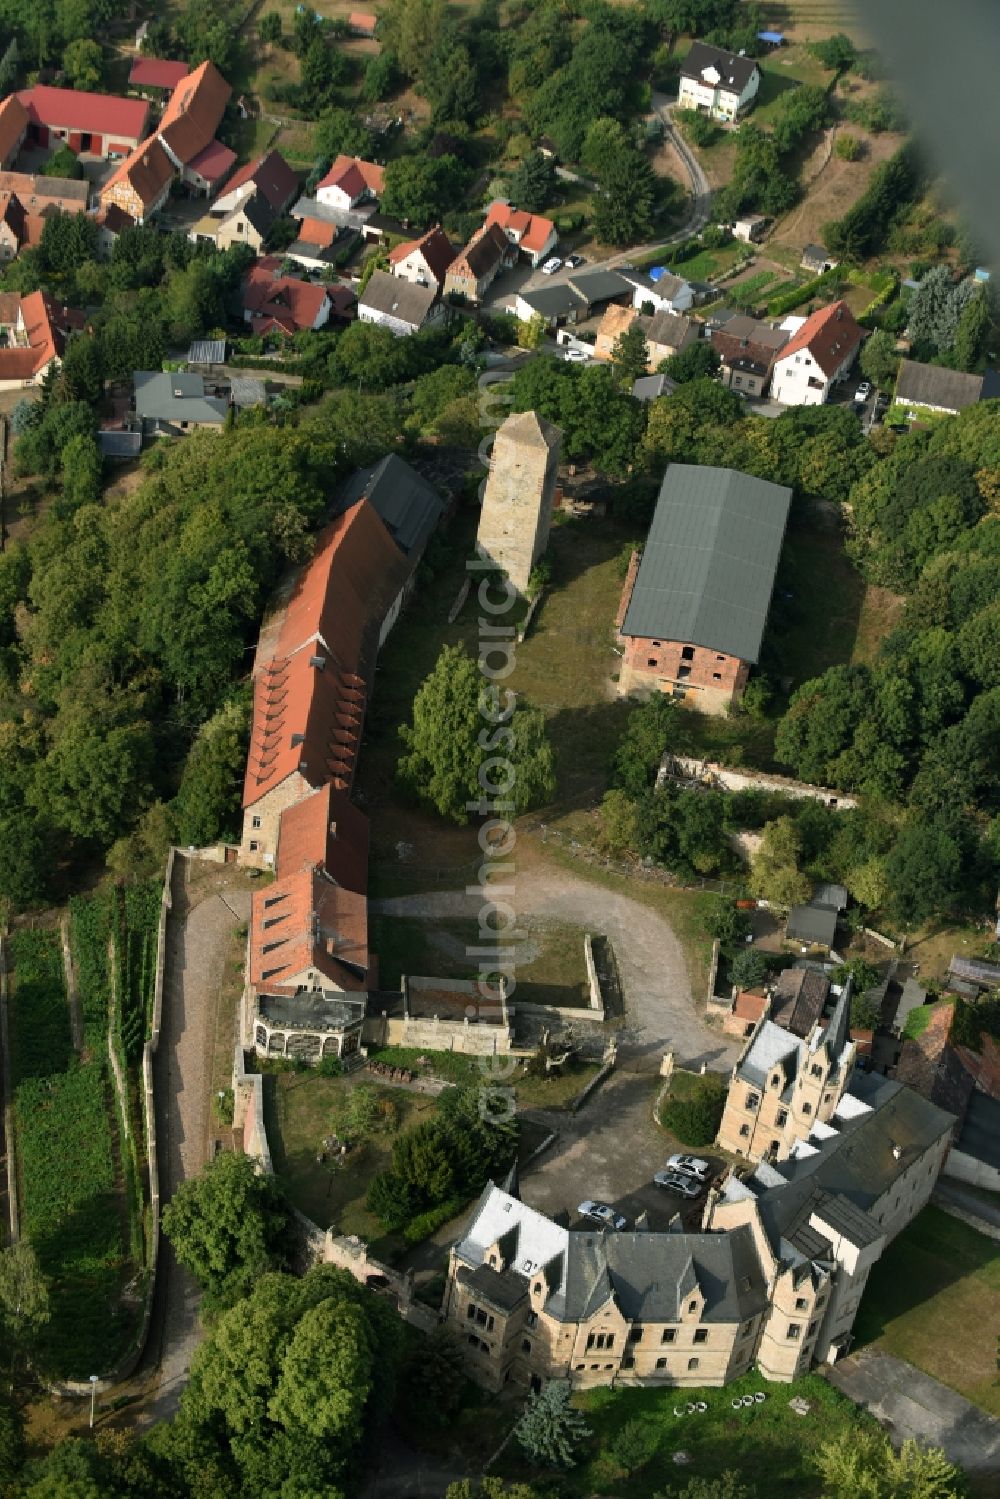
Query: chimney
(840, 311)
(897, 1151)
(333, 830)
(298, 739)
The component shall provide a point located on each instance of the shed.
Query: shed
(120, 445)
(830, 895)
(207, 351)
(816, 925)
(817, 258)
(652, 387)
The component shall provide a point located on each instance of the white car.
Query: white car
(690, 1165)
(576, 356)
(551, 266)
(602, 1213)
(684, 1186)
(862, 393)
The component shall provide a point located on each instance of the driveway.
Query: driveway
(912, 1404)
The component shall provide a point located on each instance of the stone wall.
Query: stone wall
(725, 778)
(248, 1112)
(436, 1035)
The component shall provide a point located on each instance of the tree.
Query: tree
(634, 1446)
(11, 1440)
(227, 1226)
(726, 922)
(868, 884)
(775, 875)
(550, 1430)
(382, 78)
(936, 307)
(464, 740)
(531, 185)
(269, 28)
(837, 52)
(605, 141)
(867, 1467)
(370, 354)
(728, 1485)
(531, 333)
(410, 28)
(630, 356)
(924, 870)
(63, 163)
(83, 370)
(81, 472)
(421, 190)
(649, 732)
(696, 1117)
(8, 67)
(696, 362)
(849, 148)
(973, 330)
(879, 360)
(624, 202)
(433, 1380)
(748, 968)
(340, 132)
(619, 827)
(24, 1300)
(83, 62)
(207, 805)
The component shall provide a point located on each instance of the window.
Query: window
(661, 1363)
(794, 1331)
(635, 1335)
(682, 672)
(753, 1101)
(531, 1320)
(656, 645)
(668, 1335)
(781, 1117)
(807, 1108)
(471, 1313)
(746, 1329)
(600, 1340)
(687, 653)
(801, 1304)
(628, 1363)
(650, 660)
(816, 1070)
(255, 822)
(827, 1097)
(693, 1363)
(525, 1346)
(720, 658)
(254, 845)
(744, 1130)
(812, 1328)
(716, 676)
(692, 1306)
(701, 1334)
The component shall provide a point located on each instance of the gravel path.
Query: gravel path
(660, 1008)
(198, 938)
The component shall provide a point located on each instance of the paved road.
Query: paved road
(949, 1193)
(912, 1404)
(198, 940)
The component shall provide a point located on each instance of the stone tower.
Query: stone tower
(517, 506)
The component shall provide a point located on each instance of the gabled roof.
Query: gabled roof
(435, 247)
(290, 302)
(800, 997)
(38, 193)
(531, 230)
(353, 176)
(485, 249)
(303, 921)
(652, 387)
(325, 830)
(176, 396)
(45, 325)
(932, 1066)
(670, 328)
(812, 924)
(408, 506)
(735, 72)
(194, 112)
(830, 335)
(270, 175)
(13, 124)
(931, 385)
(213, 162)
(708, 567)
(147, 172)
(156, 72)
(72, 109)
(397, 298)
(530, 430)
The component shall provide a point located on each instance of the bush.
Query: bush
(423, 1225)
(695, 1119)
(748, 969)
(849, 147)
(789, 300)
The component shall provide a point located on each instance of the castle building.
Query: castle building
(517, 505)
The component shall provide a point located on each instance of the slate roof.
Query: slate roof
(485, 249)
(435, 247)
(930, 385)
(980, 1135)
(735, 71)
(976, 970)
(409, 507)
(670, 328)
(270, 175)
(398, 299)
(176, 397)
(812, 924)
(313, 1011)
(772, 1045)
(707, 571)
(652, 387)
(502, 1289)
(800, 996)
(830, 895)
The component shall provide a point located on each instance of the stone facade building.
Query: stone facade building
(517, 506)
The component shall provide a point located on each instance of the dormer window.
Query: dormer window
(776, 1080)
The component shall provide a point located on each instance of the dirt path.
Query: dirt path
(660, 1008)
(198, 938)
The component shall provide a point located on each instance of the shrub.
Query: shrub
(695, 1119)
(748, 969)
(849, 147)
(423, 1225)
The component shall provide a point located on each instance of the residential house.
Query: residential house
(534, 236)
(817, 260)
(34, 330)
(666, 333)
(325, 235)
(773, 1278)
(748, 350)
(573, 299)
(112, 222)
(930, 387)
(187, 129)
(401, 306)
(362, 23)
(314, 662)
(653, 387)
(27, 201)
(154, 77)
(285, 304)
(816, 357)
(90, 124)
(269, 177)
(812, 925)
(693, 610)
(141, 185)
(475, 268)
(751, 228)
(718, 83)
(249, 223)
(14, 123)
(168, 404)
(659, 290)
(800, 998)
(424, 261)
(351, 182)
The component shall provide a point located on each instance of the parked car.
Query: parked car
(690, 1165)
(602, 1213)
(552, 265)
(576, 356)
(572, 261)
(862, 393)
(684, 1186)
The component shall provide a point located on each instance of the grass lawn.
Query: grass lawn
(934, 1300)
(706, 264)
(301, 1109)
(768, 1444)
(554, 1092)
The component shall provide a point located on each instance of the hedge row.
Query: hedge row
(799, 294)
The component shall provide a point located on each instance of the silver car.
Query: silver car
(602, 1213)
(684, 1186)
(690, 1165)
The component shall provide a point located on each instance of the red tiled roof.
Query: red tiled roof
(44, 323)
(932, 1067)
(147, 171)
(317, 232)
(291, 303)
(485, 249)
(213, 163)
(437, 251)
(305, 920)
(37, 192)
(532, 229)
(98, 114)
(342, 175)
(750, 1004)
(271, 175)
(362, 20)
(156, 72)
(194, 112)
(13, 124)
(829, 334)
(325, 829)
(307, 716)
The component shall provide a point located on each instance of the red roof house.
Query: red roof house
(349, 181)
(423, 260)
(283, 302)
(90, 124)
(533, 235)
(37, 328)
(157, 73)
(14, 122)
(194, 113)
(819, 354)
